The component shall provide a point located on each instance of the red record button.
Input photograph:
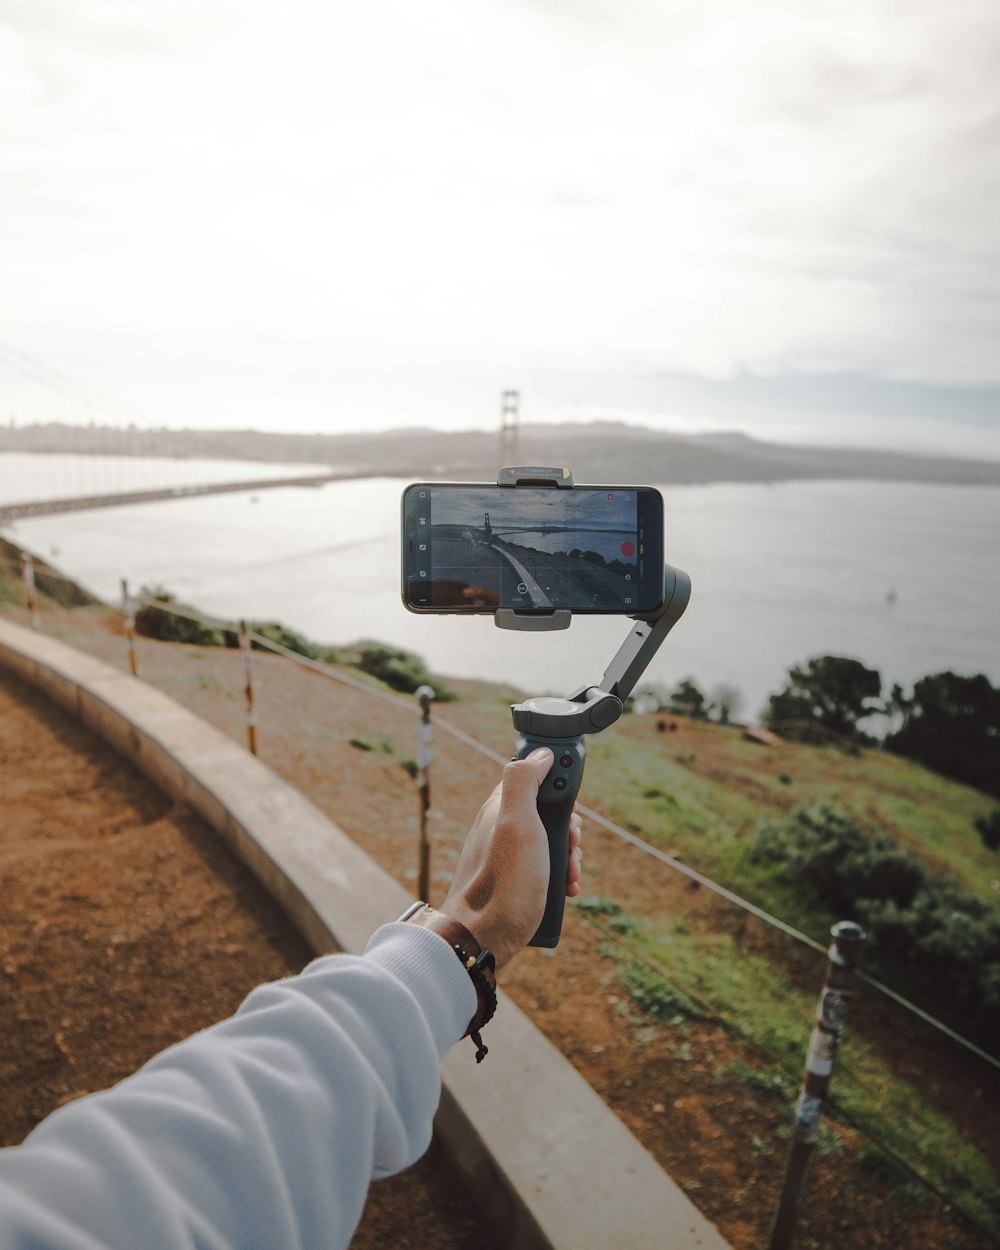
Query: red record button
(566, 761)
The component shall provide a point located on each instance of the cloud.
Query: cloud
(499, 185)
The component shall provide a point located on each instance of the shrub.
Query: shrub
(284, 637)
(830, 855)
(400, 670)
(926, 934)
(154, 622)
(48, 584)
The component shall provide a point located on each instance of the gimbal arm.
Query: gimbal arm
(560, 724)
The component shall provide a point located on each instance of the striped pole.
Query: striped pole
(128, 613)
(425, 737)
(30, 599)
(830, 1014)
(245, 652)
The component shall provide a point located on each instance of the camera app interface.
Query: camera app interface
(535, 549)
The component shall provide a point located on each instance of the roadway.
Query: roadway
(466, 570)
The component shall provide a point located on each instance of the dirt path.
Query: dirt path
(128, 926)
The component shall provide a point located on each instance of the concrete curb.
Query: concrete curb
(546, 1158)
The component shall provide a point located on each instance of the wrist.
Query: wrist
(477, 960)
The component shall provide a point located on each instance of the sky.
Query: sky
(760, 215)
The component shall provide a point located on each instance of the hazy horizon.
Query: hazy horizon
(820, 441)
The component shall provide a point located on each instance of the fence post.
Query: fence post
(830, 1014)
(248, 689)
(28, 577)
(128, 613)
(425, 737)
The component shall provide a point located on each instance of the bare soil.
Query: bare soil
(679, 1090)
(128, 926)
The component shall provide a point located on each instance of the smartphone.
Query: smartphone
(474, 547)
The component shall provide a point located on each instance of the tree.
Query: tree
(952, 724)
(687, 700)
(831, 690)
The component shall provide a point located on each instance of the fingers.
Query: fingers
(519, 804)
(575, 830)
(574, 869)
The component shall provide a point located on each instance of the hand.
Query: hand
(498, 891)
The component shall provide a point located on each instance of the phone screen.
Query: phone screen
(476, 548)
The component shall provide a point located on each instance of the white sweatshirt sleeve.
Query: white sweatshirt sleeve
(262, 1131)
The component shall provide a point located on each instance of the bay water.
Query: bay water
(903, 576)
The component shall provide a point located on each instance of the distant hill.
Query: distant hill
(598, 452)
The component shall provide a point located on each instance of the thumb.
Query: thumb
(519, 788)
(522, 778)
(540, 760)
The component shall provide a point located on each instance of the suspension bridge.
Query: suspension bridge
(113, 499)
(118, 459)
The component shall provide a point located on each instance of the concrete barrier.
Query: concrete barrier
(545, 1157)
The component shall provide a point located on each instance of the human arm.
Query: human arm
(266, 1129)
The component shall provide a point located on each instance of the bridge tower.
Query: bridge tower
(510, 419)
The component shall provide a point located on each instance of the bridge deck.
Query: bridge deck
(84, 503)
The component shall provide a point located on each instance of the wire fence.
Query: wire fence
(622, 941)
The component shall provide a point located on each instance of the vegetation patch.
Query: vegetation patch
(400, 670)
(52, 589)
(926, 934)
(179, 622)
(655, 995)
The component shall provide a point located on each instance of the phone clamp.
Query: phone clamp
(519, 476)
(533, 475)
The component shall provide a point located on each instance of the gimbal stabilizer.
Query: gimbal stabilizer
(560, 724)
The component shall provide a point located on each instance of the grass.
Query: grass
(707, 803)
(654, 995)
(383, 744)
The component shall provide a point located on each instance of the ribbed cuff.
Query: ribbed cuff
(428, 967)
